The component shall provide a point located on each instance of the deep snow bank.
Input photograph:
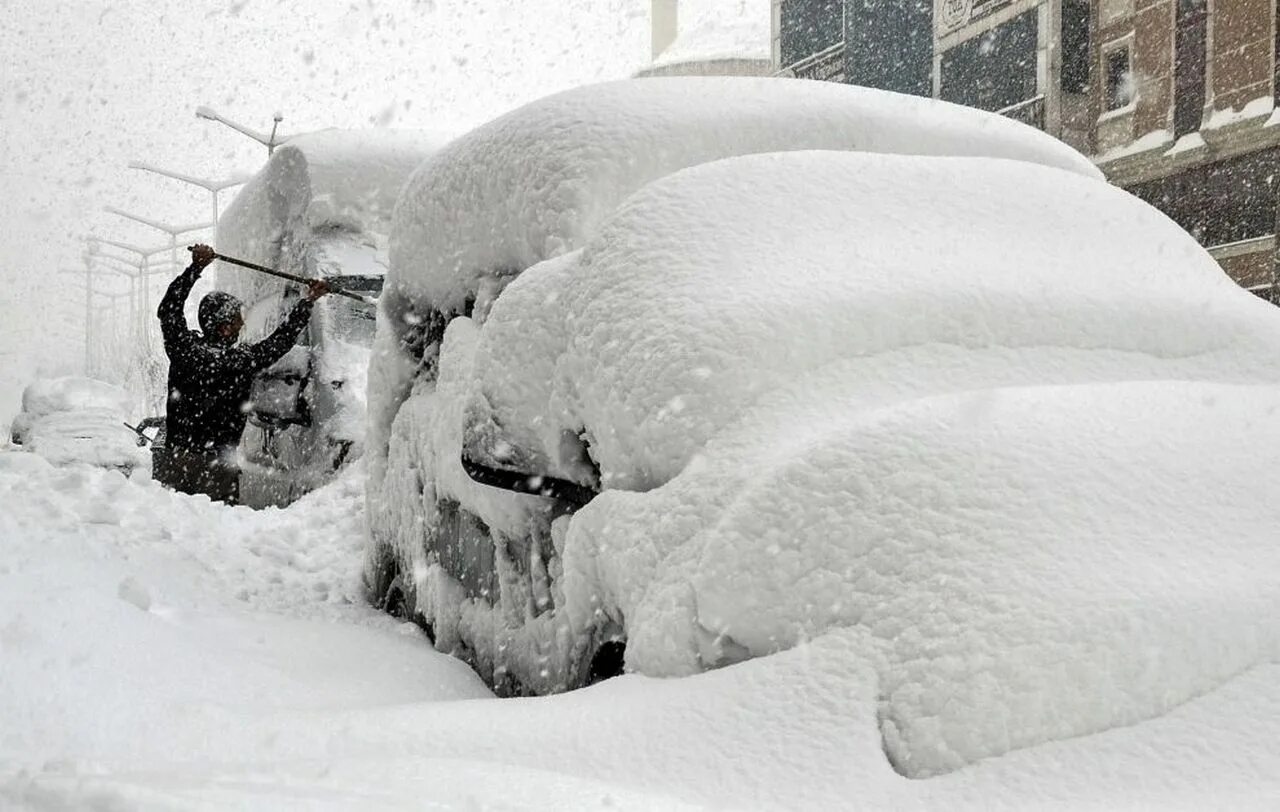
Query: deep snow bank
(1026, 564)
(1010, 440)
(158, 651)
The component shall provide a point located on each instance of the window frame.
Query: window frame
(1105, 52)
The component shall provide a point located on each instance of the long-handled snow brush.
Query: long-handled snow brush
(334, 285)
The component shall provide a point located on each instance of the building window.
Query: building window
(808, 27)
(1120, 85)
(1075, 46)
(889, 45)
(1189, 66)
(1221, 203)
(996, 69)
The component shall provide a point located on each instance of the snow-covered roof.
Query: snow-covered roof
(331, 179)
(720, 283)
(49, 395)
(537, 182)
(719, 31)
(992, 424)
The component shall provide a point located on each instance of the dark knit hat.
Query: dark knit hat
(217, 309)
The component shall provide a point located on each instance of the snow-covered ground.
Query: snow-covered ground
(158, 651)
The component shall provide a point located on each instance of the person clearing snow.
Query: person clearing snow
(209, 381)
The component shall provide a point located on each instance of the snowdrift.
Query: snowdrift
(538, 181)
(699, 296)
(1008, 439)
(268, 680)
(50, 395)
(318, 185)
(77, 420)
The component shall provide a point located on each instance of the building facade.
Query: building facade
(1173, 99)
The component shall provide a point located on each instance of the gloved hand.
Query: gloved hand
(202, 255)
(316, 288)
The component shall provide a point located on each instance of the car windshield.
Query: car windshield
(349, 320)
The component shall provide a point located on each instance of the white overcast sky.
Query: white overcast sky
(88, 85)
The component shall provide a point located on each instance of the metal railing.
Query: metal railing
(826, 65)
(1030, 112)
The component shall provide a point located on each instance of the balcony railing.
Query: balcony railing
(826, 65)
(1030, 112)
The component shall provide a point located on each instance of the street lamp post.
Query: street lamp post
(168, 228)
(132, 276)
(269, 141)
(144, 255)
(211, 186)
(88, 311)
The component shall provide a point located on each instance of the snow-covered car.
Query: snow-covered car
(78, 420)
(320, 208)
(533, 186)
(995, 423)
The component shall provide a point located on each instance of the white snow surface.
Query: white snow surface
(1007, 441)
(332, 183)
(161, 652)
(95, 436)
(699, 295)
(320, 207)
(720, 29)
(75, 419)
(49, 395)
(537, 182)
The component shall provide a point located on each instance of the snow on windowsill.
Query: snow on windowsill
(1119, 112)
(1153, 140)
(1255, 109)
(1187, 143)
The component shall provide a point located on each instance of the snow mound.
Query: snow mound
(722, 30)
(1026, 564)
(537, 182)
(50, 395)
(335, 183)
(72, 419)
(699, 296)
(1007, 439)
(94, 436)
(255, 678)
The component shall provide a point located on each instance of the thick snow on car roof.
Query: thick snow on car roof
(332, 179)
(537, 182)
(48, 395)
(715, 285)
(1006, 439)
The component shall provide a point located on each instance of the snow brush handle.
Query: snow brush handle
(253, 266)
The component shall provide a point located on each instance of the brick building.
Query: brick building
(1172, 98)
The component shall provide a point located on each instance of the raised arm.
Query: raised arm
(173, 321)
(272, 348)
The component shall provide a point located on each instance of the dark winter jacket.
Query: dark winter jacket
(209, 378)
